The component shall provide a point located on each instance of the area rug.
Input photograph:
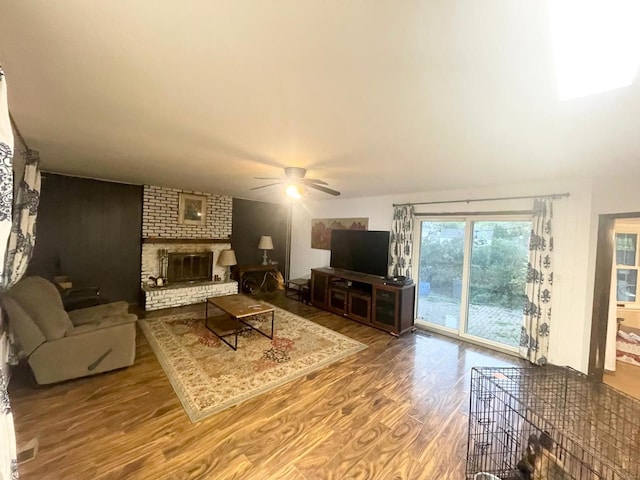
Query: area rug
(208, 376)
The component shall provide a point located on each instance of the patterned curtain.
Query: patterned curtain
(401, 241)
(534, 339)
(25, 208)
(8, 460)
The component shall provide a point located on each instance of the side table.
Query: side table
(298, 289)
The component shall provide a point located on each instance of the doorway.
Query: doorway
(615, 333)
(623, 370)
(471, 277)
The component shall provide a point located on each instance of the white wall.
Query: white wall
(571, 327)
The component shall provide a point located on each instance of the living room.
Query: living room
(452, 109)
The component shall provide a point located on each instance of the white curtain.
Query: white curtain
(8, 460)
(536, 321)
(401, 245)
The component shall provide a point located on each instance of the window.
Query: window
(627, 267)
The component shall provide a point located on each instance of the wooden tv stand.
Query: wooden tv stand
(364, 298)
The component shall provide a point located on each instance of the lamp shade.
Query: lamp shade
(265, 243)
(227, 258)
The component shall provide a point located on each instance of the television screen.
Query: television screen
(364, 251)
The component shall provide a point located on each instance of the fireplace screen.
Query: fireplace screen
(190, 267)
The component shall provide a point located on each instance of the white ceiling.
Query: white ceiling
(375, 97)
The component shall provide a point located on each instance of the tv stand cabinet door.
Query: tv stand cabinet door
(338, 301)
(319, 289)
(385, 308)
(359, 307)
(393, 308)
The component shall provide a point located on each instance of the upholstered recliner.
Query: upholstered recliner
(60, 345)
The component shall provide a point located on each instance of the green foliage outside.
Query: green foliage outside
(498, 262)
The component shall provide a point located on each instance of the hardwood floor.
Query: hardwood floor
(626, 378)
(394, 410)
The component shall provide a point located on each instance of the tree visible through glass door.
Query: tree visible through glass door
(471, 278)
(440, 276)
(497, 274)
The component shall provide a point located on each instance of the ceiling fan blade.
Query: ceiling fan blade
(265, 186)
(267, 178)
(313, 180)
(323, 189)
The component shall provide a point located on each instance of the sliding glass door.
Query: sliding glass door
(441, 270)
(471, 277)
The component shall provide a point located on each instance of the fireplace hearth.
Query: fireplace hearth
(189, 267)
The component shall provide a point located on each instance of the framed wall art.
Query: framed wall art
(321, 229)
(192, 209)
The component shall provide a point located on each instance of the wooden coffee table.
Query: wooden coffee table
(239, 309)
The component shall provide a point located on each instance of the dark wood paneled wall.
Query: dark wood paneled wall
(92, 231)
(251, 220)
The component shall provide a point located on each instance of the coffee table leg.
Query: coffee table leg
(270, 337)
(273, 316)
(206, 325)
(237, 330)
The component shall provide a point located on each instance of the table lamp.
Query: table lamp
(227, 259)
(265, 244)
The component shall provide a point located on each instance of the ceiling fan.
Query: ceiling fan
(296, 183)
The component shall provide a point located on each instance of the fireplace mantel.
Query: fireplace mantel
(185, 240)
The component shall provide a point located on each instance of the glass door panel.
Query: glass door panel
(498, 268)
(440, 272)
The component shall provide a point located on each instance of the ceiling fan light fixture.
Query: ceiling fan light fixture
(296, 185)
(294, 191)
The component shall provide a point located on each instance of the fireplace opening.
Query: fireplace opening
(190, 267)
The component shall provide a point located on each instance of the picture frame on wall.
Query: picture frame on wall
(192, 209)
(321, 229)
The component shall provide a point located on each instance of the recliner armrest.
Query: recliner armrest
(98, 312)
(106, 322)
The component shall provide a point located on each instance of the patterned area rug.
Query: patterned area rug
(208, 376)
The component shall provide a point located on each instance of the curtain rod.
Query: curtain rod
(469, 200)
(472, 214)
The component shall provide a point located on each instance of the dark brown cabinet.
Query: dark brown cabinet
(319, 287)
(359, 307)
(364, 298)
(338, 300)
(393, 307)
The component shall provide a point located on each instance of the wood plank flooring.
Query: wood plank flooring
(626, 378)
(396, 410)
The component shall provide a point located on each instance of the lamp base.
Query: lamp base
(265, 260)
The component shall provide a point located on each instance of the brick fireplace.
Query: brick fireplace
(193, 250)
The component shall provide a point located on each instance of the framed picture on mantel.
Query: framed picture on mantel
(192, 209)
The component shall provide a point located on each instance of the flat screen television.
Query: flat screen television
(363, 251)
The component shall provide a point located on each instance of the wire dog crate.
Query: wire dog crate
(550, 423)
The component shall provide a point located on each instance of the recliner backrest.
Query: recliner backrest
(40, 299)
(26, 332)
